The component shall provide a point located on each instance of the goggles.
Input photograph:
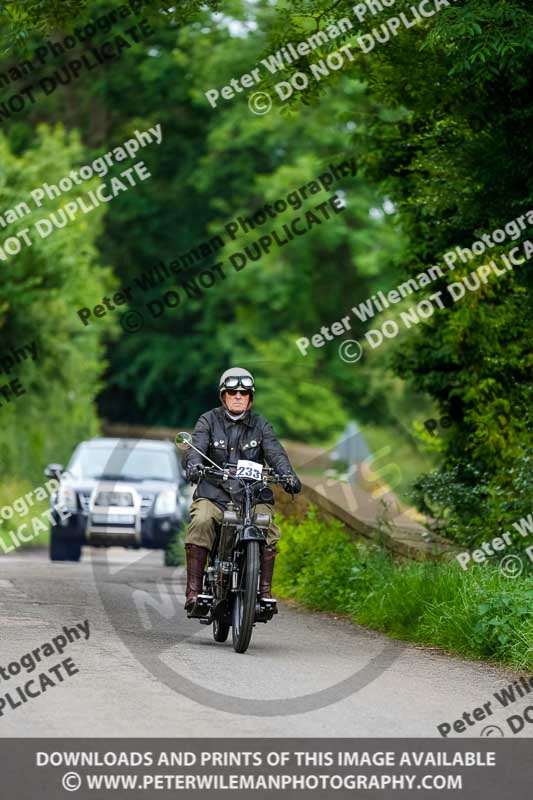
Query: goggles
(237, 382)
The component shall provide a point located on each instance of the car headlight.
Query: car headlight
(66, 498)
(166, 502)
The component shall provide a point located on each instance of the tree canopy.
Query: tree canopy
(437, 120)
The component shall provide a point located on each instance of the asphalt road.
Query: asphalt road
(146, 670)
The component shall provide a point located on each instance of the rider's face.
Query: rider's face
(238, 402)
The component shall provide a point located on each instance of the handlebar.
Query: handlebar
(227, 472)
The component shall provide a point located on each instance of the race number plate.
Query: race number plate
(249, 469)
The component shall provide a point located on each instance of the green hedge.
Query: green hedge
(478, 613)
(10, 490)
(175, 549)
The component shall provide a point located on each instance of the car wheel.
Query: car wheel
(60, 550)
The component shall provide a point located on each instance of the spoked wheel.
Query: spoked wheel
(220, 631)
(243, 615)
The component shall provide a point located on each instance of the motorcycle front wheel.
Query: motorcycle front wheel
(243, 614)
(220, 631)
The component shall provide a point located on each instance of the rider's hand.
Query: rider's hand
(292, 485)
(194, 473)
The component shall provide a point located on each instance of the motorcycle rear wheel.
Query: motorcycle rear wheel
(243, 614)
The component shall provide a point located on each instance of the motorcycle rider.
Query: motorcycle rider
(225, 434)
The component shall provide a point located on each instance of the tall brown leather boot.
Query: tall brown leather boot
(196, 558)
(268, 556)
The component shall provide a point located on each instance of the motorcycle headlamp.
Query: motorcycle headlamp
(66, 498)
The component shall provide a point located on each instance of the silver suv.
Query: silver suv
(125, 492)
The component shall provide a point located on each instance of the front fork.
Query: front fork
(266, 608)
(222, 578)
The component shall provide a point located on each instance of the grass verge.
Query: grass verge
(36, 530)
(479, 613)
(175, 549)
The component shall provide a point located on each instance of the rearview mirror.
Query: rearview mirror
(54, 471)
(183, 440)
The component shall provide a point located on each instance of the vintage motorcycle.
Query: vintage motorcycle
(231, 578)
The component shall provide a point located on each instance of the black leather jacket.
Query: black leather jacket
(223, 440)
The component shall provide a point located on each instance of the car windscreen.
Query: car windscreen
(123, 463)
